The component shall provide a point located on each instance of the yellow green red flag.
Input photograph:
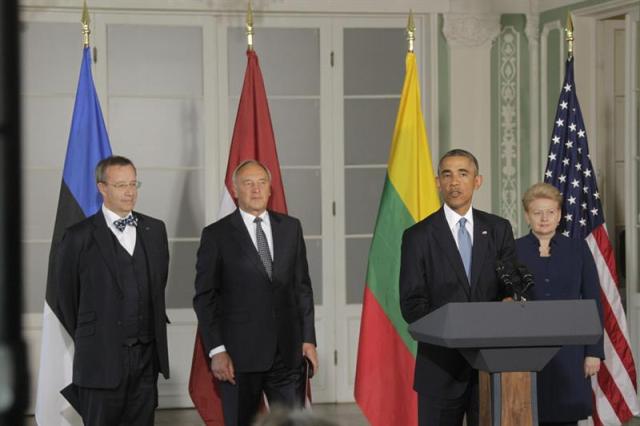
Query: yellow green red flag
(386, 352)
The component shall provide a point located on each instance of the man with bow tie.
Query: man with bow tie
(111, 273)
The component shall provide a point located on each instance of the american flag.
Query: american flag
(570, 170)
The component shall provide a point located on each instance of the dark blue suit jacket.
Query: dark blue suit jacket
(239, 307)
(432, 275)
(90, 297)
(564, 394)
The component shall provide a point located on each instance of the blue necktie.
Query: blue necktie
(130, 220)
(464, 247)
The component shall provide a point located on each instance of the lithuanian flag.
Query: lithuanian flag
(386, 352)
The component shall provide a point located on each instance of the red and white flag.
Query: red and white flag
(252, 139)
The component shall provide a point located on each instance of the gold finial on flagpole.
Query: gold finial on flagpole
(411, 31)
(249, 26)
(85, 24)
(569, 31)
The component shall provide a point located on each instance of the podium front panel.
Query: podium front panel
(510, 324)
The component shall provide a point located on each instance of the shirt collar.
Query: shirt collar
(453, 217)
(111, 216)
(248, 218)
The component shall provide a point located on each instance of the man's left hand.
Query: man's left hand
(309, 351)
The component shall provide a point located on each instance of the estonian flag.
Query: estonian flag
(79, 199)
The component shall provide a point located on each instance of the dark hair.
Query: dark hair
(246, 163)
(114, 160)
(457, 152)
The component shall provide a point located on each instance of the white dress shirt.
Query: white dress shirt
(453, 220)
(248, 220)
(126, 238)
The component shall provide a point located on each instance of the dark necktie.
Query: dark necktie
(130, 220)
(464, 247)
(263, 247)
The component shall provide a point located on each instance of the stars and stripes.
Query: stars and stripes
(615, 386)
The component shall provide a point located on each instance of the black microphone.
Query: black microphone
(506, 278)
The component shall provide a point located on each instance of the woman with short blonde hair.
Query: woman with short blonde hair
(563, 268)
(541, 190)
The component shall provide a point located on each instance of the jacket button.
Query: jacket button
(119, 322)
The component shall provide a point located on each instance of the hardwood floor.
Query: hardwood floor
(341, 414)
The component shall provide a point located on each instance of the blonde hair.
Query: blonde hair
(541, 190)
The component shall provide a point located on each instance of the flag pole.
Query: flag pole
(569, 38)
(411, 31)
(249, 25)
(85, 24)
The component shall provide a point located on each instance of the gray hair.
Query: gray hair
(234, 176)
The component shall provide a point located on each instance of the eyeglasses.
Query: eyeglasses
(121, 186)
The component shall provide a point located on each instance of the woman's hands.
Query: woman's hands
(591, 366)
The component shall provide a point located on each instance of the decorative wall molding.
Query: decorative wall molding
(544, 83)
(509, 125)
(532, 31)
(470, 30)
(259, 6)
(608, 9)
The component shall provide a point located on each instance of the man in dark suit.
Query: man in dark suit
(111, 274)
(254, 301)
(451, 257)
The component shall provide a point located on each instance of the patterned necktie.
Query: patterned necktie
(464, 246)
(130, 220)
(263, 247)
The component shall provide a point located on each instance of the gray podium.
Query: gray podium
(499, 337)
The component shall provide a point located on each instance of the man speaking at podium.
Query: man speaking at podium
(451, 257)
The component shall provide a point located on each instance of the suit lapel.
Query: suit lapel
(450, 250)
(146, 237)
(277, 231)
(480, 246)
(245, 242)
(104, 241)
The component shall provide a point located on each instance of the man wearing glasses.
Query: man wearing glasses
(111, 273)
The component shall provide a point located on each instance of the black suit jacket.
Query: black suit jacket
(432, 274)
(239, 307)
(90, 297)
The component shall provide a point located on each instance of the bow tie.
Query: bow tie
(130, 220)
